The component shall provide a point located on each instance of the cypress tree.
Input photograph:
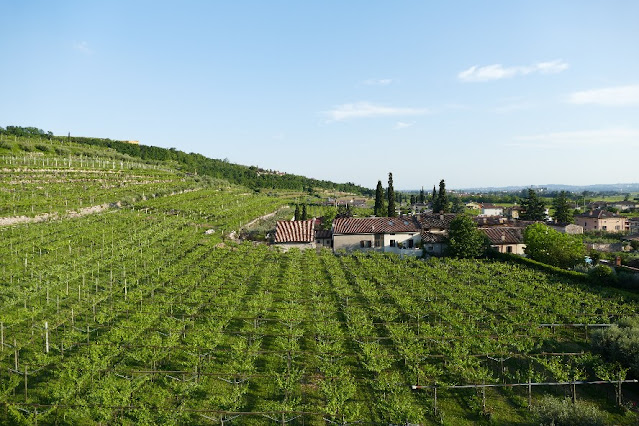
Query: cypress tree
(562, 209)
(297, 212)
(534, 208)
(442, 199)
(379, 200)
(304, 214)
(422, 196)
(391, 197)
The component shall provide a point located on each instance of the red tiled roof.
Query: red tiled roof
(295, 231)
(432, 237)
(375, 225)
(504, 235)
(439, 221)
(323, 234)
(599, 214)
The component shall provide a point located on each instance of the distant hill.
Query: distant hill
(604, 187)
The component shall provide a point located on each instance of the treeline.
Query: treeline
(251, 177)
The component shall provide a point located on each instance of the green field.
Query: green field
(137, 315)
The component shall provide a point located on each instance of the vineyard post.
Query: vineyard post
(619, 402)
(72, 320)
(529, 392)
(46, 337)
(25, 384)
(435, 400)
(1, 337)
(15, 354)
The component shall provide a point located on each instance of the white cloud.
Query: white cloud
(82, 46)
(366, 110)
(378, 81)
(498, 71)
(610, 96)
(403, 125)
(619, 136)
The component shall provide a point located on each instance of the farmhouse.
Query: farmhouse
(295, 233)
(567, 228)
(506, 239)
(385, 234)
(601, 220)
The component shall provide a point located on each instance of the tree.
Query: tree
(413, 200)
(297, 212)
(433, 196)
(546, 245)
(533, 207)
(391, 197)
(458, 205)
(562, 209)
(441, 203)
(304, 213)
(422, 196)
(378, 210)
(464, 239)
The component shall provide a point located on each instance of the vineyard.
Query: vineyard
(137, 316)
(153, 313)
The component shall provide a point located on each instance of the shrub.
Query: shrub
(43, 148)
(602, 274)
(620, 343)
(5, 145)
(562, 412)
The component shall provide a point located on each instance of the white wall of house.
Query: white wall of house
(492, 211)
(301, 246)
(350, 242)
(510, 248)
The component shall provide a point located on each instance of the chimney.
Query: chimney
(441, 216)
(503, 236)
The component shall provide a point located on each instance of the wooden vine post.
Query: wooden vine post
(46, 337)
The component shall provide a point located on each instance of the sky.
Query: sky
(489, 93)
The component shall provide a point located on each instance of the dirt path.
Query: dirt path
(266, 216)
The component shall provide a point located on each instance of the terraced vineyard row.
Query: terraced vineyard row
(140, 317)
(36, 184)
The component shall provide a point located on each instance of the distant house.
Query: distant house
(597, 205)
(438, 223)
(623, 205)
(434, 243)
(473, 205)
(385, 234)
(506, 239)
(601, 220)
(633, 225)
(324, 238)
(420, 207)
(567, 228)
(295, 234)
(491, 210)
(512, 212)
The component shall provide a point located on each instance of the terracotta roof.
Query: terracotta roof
(432, 237)
(439, 221)
(295, 231)
(504, 235)
(599, 214)
(375, 225)
(323, 234)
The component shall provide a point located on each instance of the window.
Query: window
(509, 249)
(605, 228)
(361, 244)
(392, 243)
(379, 240)
(368, 244)
(364, 244)
(617, 227)
(410, 243)
(429, 248)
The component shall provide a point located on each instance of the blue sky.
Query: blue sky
(488, 93)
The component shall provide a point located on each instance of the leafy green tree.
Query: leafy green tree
(546, 245)
(391, 197)
(533, 207)
(379, 200)
(562, 209)
(413, 199)
(298, 215)
(304, 212)
(464, 239)
(458, 206)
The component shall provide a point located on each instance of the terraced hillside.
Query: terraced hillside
(138, 315)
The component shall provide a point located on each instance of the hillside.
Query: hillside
(149, 312)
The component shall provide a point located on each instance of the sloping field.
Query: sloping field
(139, 317)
